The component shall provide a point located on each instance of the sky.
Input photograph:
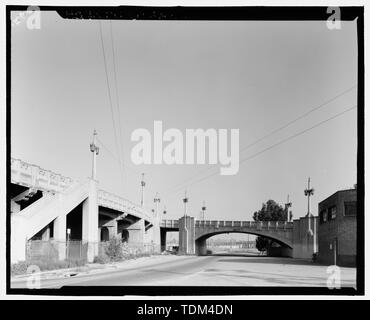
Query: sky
(255, 76)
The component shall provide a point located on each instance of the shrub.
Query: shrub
(101, 258)
(19, 268)
(114, 249)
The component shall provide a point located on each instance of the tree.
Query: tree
(270, 211)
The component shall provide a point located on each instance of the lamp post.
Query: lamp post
(185, 200)
(157, 200)
(95, 150)
(142, 183)
(203, 209)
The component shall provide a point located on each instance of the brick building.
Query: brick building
(338, 228)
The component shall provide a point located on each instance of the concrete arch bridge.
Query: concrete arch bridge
(294, 238)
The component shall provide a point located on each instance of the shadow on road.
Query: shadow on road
(253, 258)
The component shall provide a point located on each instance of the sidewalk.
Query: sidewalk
(91, 268)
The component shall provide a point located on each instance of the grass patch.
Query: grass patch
(23, 267)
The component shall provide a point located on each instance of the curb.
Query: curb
(71, 272)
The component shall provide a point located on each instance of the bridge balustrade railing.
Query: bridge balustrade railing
(228, 223)
(33, 176)
(119, 203)
(169, 224)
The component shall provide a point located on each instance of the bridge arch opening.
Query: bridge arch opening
(125, 235)
(104, 234)
(282, 248)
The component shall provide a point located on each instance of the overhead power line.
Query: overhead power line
(269, 148)
(110, 97)
(298, 118)
(272, 133)
(114, 157)
(117, 96)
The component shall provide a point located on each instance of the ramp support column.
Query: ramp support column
(90, 221)
(18, 240)
(60, 235)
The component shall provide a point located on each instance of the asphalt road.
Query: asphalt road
(216, 270)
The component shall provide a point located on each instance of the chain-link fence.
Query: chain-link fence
(73, 250)
(77, 250)
(37, 250)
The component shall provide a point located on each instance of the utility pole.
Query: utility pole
(142, 190)
(95, 150)
(287, 206)
(203, 209)
(308, 193)
(157, 200)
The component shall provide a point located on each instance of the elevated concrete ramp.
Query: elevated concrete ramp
(38, 215)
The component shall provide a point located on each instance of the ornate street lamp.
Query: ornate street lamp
(203, 209)
(95, 150)
(157, 200)
(185, 200)
(142, 190)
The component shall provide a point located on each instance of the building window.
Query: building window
(332, 213)
(323, 216)
(350, 208)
